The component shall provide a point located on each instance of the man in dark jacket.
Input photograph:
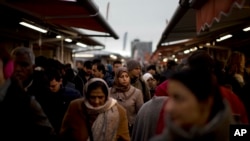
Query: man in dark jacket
(56, 102)
(21, 116)
(83, 75)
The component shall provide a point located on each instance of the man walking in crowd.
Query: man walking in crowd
(24, 60)
(99, 71)
(134, 69)
(116, 64)
(21, 115)
(55, 102)
(83, 75)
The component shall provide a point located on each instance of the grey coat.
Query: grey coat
(147, 118)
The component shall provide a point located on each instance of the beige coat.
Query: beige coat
(132, 100)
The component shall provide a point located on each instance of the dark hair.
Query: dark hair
(117, 62)
(88, 64)
(235, 64)
(101, 67)
(171, 64)
(67, 66)
(151, 67)
(54, 64)
(95, 85)
(159, 78)
(203, 84)
(96, 60)
(53, 73)
(69, 75)
(41, 61)
(201, 60)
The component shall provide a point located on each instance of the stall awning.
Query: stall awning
(183, 24)
(71, 13)
(213, 10)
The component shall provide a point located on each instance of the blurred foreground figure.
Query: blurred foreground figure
(97, 117)
(195, 108)
(202, 61)
(21, 116)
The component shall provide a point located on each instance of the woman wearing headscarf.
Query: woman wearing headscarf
(195, 109)
(150, 82)
(127, 95)
(97, 117)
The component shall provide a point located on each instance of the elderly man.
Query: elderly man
(33, 81)
(21, 115)
(24, 63)
(46, 87)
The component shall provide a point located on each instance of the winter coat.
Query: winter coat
(74, 127)
(22, 117)
(132, 100)
(141, 84)
(147, 118)
(55, 104)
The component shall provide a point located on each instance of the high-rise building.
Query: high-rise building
(141, 51)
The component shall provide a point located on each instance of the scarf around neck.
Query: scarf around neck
(121, 88)
(106, 124)
(122, 95)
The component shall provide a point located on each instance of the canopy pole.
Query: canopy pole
(62, 51)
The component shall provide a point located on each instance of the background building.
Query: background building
(141, 51)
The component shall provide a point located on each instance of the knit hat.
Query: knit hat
(147, 76)
(161, 90)
(132, 64)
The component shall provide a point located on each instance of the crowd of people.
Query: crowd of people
(197, 99)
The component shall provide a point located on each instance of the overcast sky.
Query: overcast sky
(141, 19)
